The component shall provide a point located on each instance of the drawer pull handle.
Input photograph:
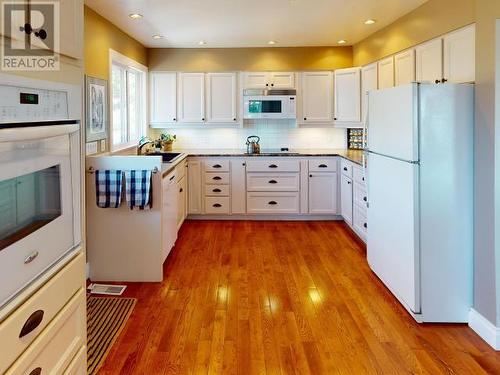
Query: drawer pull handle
(273, 181)
(272, 203)
(217, 166)
(217, 205)
(216, 190)
(31, 323)
(273, 166)
(365, 225)
(345, 169)
(362, 178)
(36, 371)
(181, 190)
(171, 178)
(364, 198)
(348, 182)
(30, 258)
(217, 178)
(322, 166)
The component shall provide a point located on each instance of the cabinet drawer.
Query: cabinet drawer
(358, 176)
(273, 182)
(78, 365)
(217, 205)
(54, 349)
(273, 165)
(346, 168)
(180, 170)
(273, 203)
(360, 197)
(216, 165)
(217, 190)
(217, 178)
(40, 308)
(359, 222)
(323, 165)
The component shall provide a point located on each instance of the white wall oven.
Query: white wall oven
(269, 104)
(39, 184)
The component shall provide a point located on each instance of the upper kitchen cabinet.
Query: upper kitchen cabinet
(163, 98)
(429, 61)
(459, 55)
(404, 67)
(347, 97)
(71, 27)
(386, 73)
(191, 94)
(317, 97)
(221, 97)
(267, 80)
(369, 82)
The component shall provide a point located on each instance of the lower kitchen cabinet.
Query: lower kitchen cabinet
(182, 201)
(194, 187)
(346, 198)
(169, 213)
(238, 186)
(323, 193)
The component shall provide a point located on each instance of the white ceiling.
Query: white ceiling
(251, 23)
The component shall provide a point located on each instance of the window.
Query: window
(128, 93)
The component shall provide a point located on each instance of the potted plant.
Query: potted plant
(166, 141)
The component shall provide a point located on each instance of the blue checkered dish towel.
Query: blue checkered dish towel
(138, 189)
(108, 188)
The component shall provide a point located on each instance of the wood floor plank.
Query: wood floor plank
(280, 298)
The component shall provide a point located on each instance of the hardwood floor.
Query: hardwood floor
(281, 298)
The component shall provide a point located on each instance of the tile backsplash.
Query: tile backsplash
(272, 135)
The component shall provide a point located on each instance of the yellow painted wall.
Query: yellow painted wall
(250, 59)
(433, 18)
(99, 36)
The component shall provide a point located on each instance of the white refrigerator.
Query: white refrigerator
(420, 197)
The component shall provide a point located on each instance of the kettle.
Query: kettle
(253, 146)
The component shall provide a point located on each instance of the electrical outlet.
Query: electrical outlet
(91, 148)
(103, 145)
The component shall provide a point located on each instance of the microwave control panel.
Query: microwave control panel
(22, 104)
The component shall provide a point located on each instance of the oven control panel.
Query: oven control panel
(22, 104)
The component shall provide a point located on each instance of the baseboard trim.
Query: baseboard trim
(485, 329)
(267, 217)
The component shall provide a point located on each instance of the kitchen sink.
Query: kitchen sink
(167, 157)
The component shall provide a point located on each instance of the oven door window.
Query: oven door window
(27, 203)
(264, 106)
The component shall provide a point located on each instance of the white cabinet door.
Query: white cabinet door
(282, 80)
(181, 204)
(323, 193)
(369, 82)
(346, 198)
(429, 61)
(386, 73)
(404, 67)
(459, 50)
(221, 97)
(238, 186)
(163, 97)
(256, 80)
(317, 93)
(191, 97)
(71, 16)
(347, 105)
(170, 196)
(194, 187)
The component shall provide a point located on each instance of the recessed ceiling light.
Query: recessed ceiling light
(135, 16)
(202, 42)
(271, 42)
(341, 41)
(370, 22)
(158, 36)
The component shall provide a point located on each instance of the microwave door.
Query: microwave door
(36, 211)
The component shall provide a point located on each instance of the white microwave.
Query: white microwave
(269, 104)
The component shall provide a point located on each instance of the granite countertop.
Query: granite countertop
(356, 156)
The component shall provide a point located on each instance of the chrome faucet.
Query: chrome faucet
(143, 142)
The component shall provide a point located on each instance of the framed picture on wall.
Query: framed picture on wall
(96, 104)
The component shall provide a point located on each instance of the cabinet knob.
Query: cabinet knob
(243, 164)
(234, 119)
(272, 203)
(362, 178)
(310, 175)
(365, 199)
(437, 81)
(444, 80)
(348, 182)
(267, 84)
(181, 190)
(365, 225)
(272, 84)
(174, 119)
(345, 169)
(31, 323)
(305, 118)
(203, 119)
(335, 118)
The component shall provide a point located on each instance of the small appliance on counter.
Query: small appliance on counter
(355, 139)
(253, 146)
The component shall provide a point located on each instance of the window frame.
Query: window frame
(116, 58)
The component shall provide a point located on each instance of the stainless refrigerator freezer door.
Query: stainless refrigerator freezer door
(393, 248)
(393, 122)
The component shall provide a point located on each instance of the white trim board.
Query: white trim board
(485, 329)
